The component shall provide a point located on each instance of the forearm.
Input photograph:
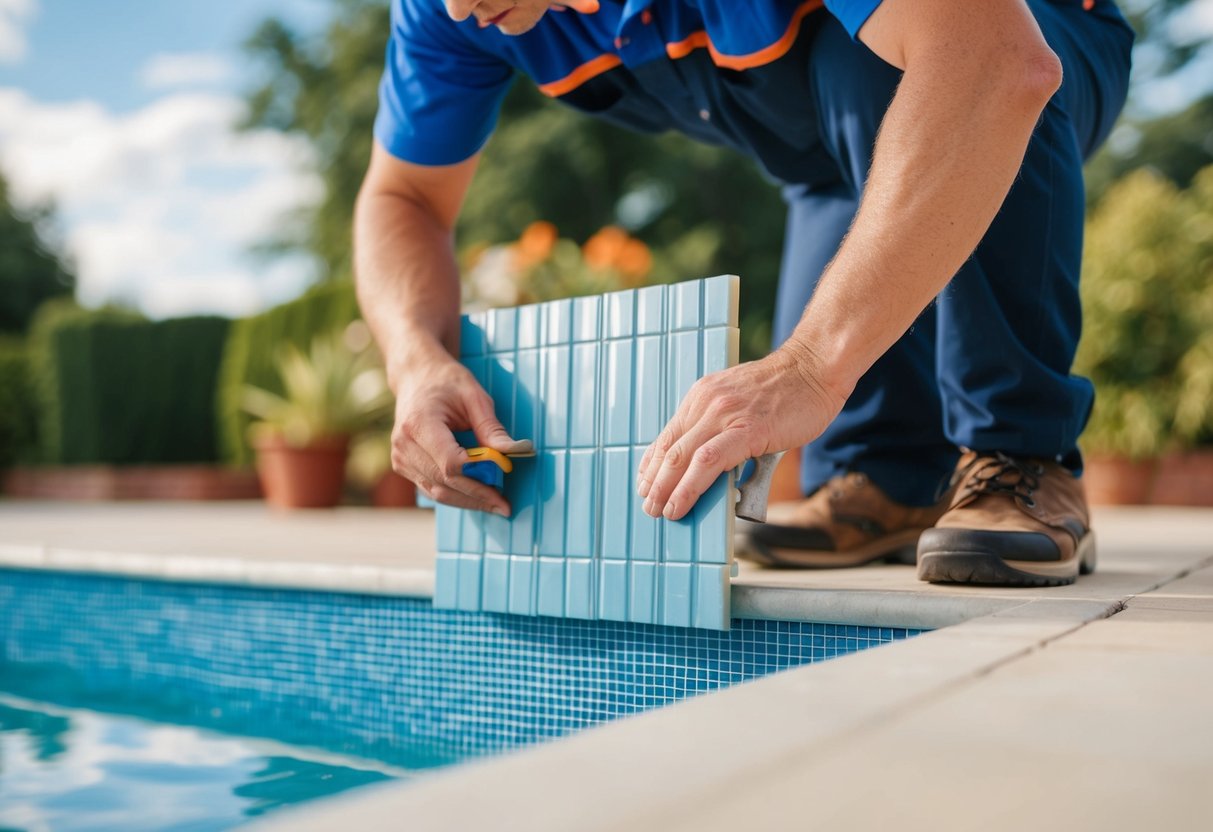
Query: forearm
(406, 277)
(949, 149)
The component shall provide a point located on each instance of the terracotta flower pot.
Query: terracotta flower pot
(393, 491)
(1118, 480)
(1184, 479)
(306, 477)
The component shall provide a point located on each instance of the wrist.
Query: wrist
(411, 352)
(815, 370)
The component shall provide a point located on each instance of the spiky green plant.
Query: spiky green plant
(328, 391)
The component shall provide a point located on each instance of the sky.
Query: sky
(121, 112)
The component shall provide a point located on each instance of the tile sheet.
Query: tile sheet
(592, 381)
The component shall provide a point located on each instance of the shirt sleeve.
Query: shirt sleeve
(439, 95)
(852, 13)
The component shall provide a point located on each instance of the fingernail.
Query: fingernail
(649, 508)
(501, 512)
(669, 511)
(644, 488)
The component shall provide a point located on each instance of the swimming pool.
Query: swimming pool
(251, 698)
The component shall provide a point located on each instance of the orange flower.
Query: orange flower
(603, 249)
(535, 244)
(634, 260)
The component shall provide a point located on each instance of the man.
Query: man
(931, 152)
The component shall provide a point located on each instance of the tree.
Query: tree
(31, 269)
(705, 209)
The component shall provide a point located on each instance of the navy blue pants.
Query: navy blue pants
(987, 366)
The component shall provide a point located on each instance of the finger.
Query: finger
(489, 431)
(444, 468)
(460, 10)
(713, 458)
(450, 496)
(674, 464)
(654, 455)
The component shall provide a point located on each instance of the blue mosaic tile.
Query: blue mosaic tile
(591, 381)
(391, 679)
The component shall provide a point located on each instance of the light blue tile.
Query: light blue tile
(711, 516)
(502, 374)
(646, 531)
(717, 349)
(613, 590)
(711, 598)
(471, 335)
(620, 314)
(522, 491)
(557, 322)
(530, 321)
(471, 535)
(495, 588)
(618, 488)
(642, 592)
(449, 521)
(522, 585)
(556, 397)
(718, 300)
(446, 582)
(617, 393)
(683, 363)
(684, 305)
(528, 411)
(579, 588)
(551, 587)
(650, 310)
(469, 582)
(679, 543)
(587, 318)
(649, 394)
(584, 403)
(502, 330)
(676, 594)
(582, 504)
(553, 490)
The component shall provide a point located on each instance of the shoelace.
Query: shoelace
(985, 475)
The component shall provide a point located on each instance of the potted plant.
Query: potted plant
(1148, 302)
(329, 394)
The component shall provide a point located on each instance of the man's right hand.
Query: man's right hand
(433, 399)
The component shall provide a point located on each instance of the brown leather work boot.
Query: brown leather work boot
(849, 521)
(1012, 522)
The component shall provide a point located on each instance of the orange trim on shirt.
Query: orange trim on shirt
(580, 75)
(699, 40)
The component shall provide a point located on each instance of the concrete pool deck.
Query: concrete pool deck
(1074, 707)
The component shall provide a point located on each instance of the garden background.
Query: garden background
(564, 205)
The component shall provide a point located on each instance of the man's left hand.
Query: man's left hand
(728, 417)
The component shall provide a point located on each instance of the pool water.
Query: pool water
(73, 770)
(129, 704)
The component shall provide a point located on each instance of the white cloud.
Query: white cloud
(161, 205)
(15, 15)
(172, 70)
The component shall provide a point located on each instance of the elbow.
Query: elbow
(1033, 79)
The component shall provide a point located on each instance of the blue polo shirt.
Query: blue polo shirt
(729, 72)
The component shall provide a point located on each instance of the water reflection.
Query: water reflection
(76, 770)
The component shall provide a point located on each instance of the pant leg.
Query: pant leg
(891, 426)
(1010, 320)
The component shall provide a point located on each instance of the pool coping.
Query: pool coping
(783, 603)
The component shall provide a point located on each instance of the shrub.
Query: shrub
(115, 388)
(18, 437)
(252, 350)
(1148, 301)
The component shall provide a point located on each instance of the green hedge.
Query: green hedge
(18, 432)
(116, 388)
(253, 345)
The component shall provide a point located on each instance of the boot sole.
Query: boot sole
(986, 569)
(901, 547)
